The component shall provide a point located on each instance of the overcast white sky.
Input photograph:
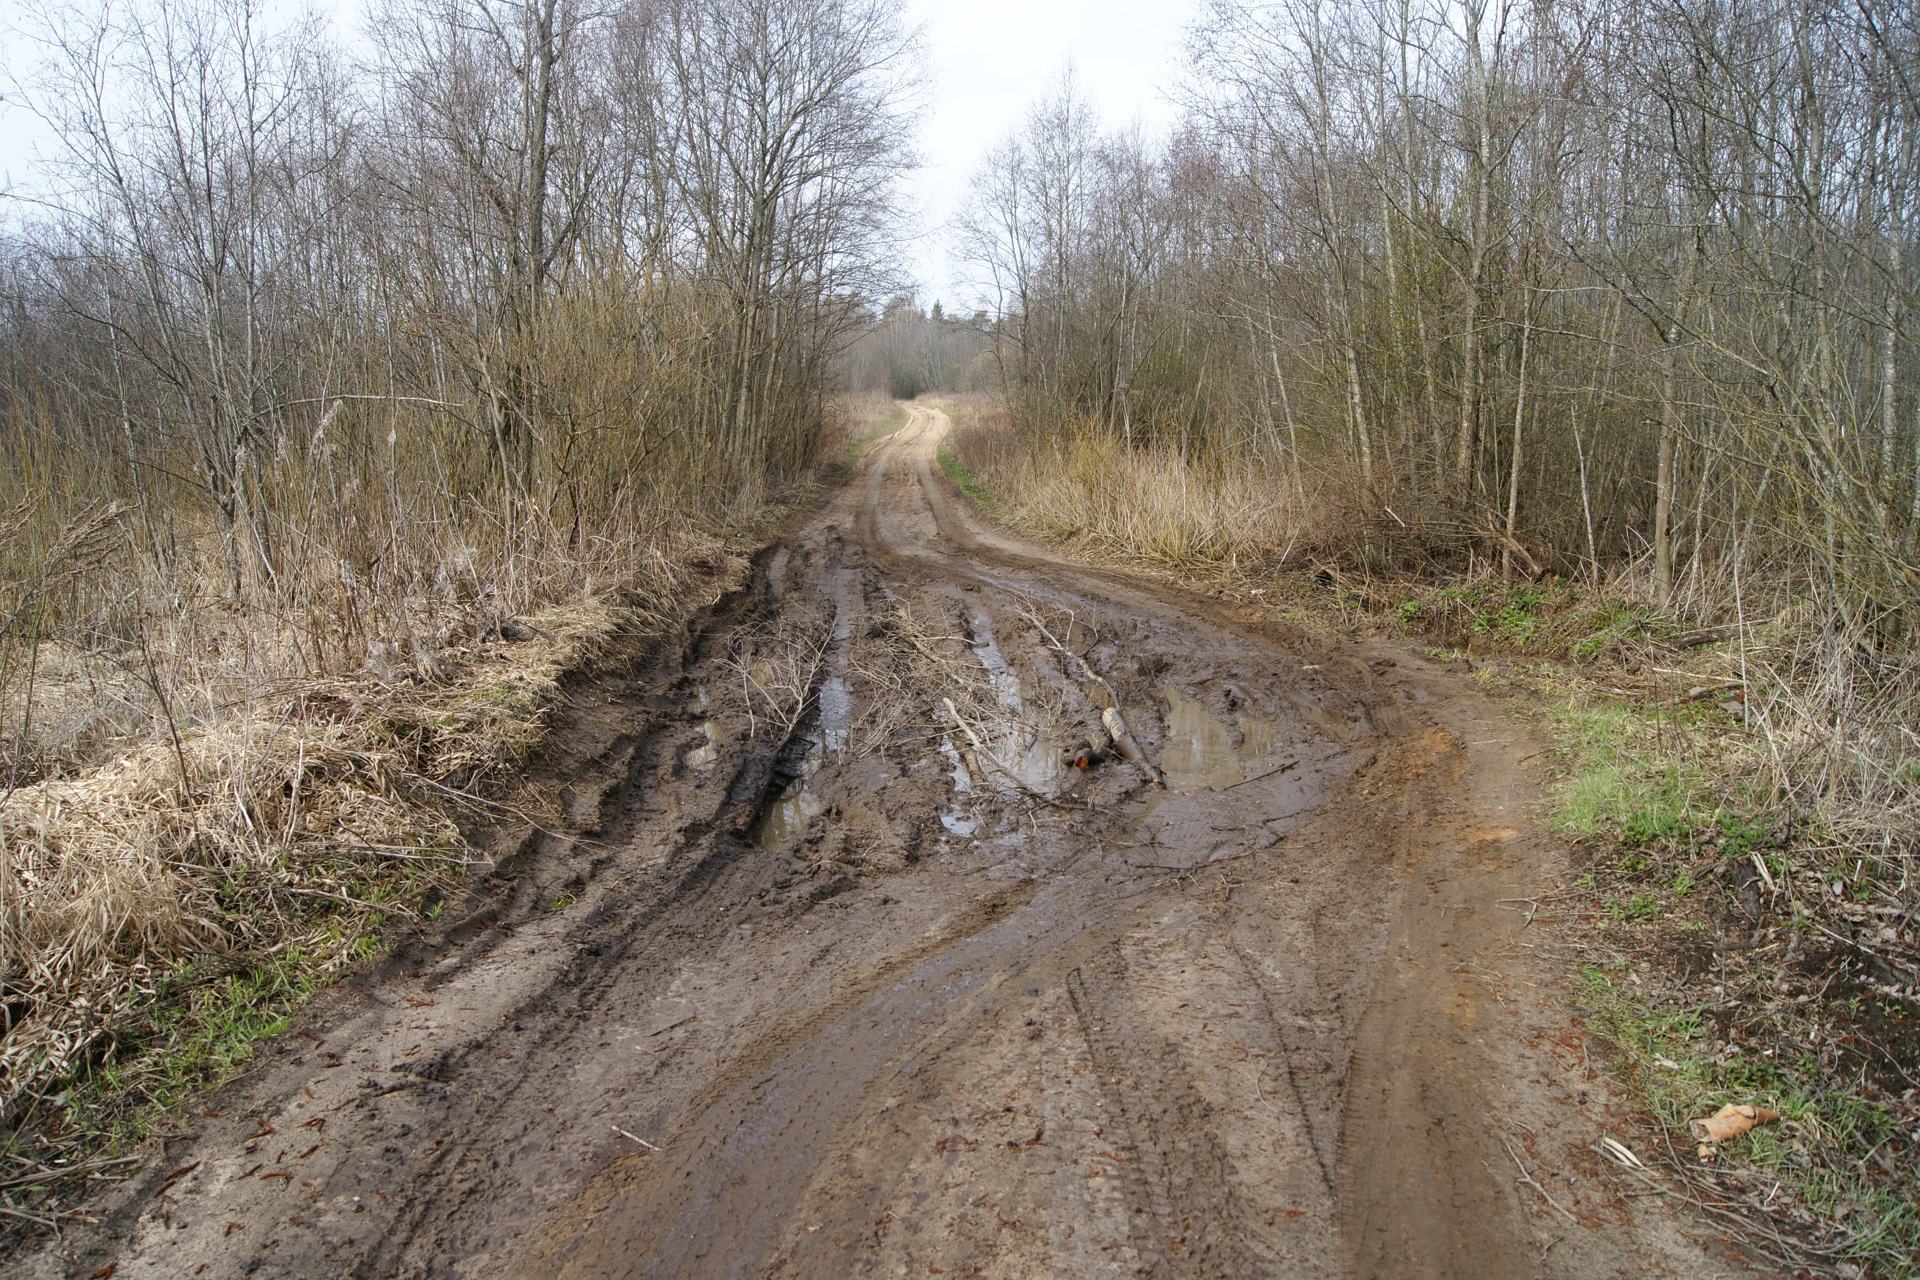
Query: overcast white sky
(987, 61)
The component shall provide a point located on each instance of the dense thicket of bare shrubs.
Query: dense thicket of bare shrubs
(1626, 292)
(341, 403)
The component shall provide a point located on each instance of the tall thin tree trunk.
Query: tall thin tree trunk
(1586, 494)
(1664, 478)
(1357, 406)
(1286, 409)
(1480, 176)
(1519, 420)
(1889, 371)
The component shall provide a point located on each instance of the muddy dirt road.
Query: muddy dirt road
(938, 907)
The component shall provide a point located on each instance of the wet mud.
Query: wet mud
(935, 906)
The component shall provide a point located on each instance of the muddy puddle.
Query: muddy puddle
(785, 821)
(1029, 755)
(957, 817)
(836, 713)
(704, 755)
(1022, 749)
(1202, 752)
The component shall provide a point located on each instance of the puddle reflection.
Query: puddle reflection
(1200, 750)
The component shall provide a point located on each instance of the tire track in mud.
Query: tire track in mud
(835, 968)
(1175, 1164)
(764, 1120)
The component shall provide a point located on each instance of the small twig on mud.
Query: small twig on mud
(980, 749)
(482, 804)
(1622, 1155)
(1110, 715)
(920, 646)
(746, 700)
(678, 1022)
(1262, 777)
(1528, 1179)
(1535, 902)
(636, 1137)
(1198, 866)
(1259, 1071)
(43, 1174)
(8, 1211)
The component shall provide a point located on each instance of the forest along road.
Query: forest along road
(840, 966)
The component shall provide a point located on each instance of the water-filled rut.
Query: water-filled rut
(938, 906)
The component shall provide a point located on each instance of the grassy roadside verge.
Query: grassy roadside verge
(963, 479)
(1729, 947)
(1725, 939)
(179, 903)
(166, 910)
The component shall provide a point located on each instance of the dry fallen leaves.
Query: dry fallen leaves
(1727, 1123)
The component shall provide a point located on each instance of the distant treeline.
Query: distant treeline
(908, 352)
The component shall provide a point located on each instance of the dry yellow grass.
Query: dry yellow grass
(233, 828)
(1151, 505)
(203, 780)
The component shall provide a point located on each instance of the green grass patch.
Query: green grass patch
(205, 1022)
(964, 479)
(1665, 1053)
(1619, 784)
(201, 1022)
(1672, 829)
(1557, 619)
